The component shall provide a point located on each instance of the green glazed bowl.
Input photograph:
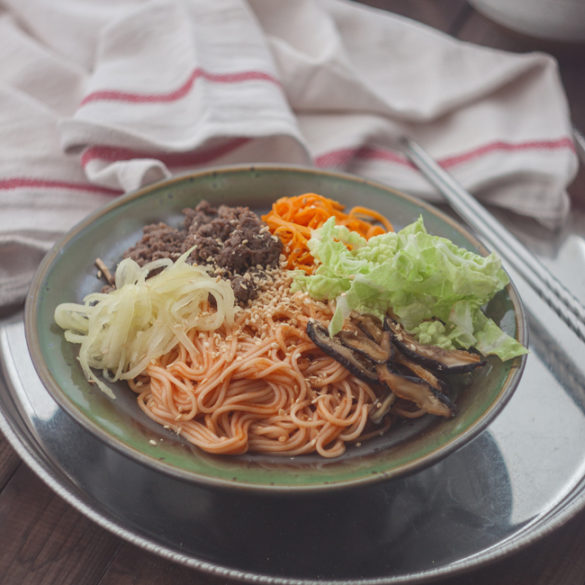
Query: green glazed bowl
(68, 273)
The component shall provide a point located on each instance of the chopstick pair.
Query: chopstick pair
(500, 239)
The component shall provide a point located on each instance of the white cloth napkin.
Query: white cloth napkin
(100, 97)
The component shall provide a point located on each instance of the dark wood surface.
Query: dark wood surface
(45, 541)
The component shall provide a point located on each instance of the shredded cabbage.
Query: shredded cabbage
(420, 277)
(121, 331)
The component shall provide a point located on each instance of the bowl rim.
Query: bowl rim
(33, 300)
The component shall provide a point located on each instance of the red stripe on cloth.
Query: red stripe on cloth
(125, 96)
(507, 147)
(334, 158)
(170, 159)
(345, 155)
(23, 182)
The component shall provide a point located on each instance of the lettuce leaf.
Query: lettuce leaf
(435, 288)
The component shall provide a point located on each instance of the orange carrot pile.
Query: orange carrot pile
(293, 218)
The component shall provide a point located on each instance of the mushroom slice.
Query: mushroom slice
(379, 352)
(417, 391)
(370, 325)
(382, 408)
(355, 362)
(418, 370)
(438, 359)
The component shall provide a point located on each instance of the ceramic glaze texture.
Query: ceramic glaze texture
(68, 273)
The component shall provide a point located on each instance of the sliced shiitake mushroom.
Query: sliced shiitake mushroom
(438, 359)
(418, 370)
(365, 348)
(379, 352)
(354, 361)
(382, 408)
(417, 391)
(370, 325)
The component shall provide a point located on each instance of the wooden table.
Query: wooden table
(45, 541)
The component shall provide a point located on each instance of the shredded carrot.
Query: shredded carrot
(293, 218)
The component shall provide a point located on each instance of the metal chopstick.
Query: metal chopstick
(579, 141)
(500, 239)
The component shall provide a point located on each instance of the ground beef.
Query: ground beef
(234, 237)
(233, 241)
(158, 241)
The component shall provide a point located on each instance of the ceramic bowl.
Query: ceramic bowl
(552, 20)
(67, 273)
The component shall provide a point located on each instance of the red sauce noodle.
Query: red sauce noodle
(260, 385)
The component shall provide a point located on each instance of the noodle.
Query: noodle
(259, 385)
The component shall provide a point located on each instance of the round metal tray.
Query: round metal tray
(522, 477)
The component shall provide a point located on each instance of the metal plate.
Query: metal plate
(516, 481)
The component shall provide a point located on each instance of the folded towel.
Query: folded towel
(100, 98)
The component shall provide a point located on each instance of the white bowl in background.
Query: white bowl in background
(557, 20)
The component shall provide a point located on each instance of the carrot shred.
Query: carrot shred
(293, 218)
